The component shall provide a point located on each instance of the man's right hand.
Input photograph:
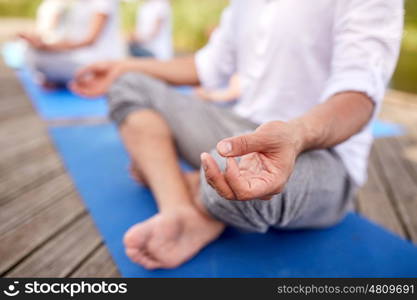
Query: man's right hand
(95, 80)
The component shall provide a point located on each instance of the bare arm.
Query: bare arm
(96, 79)
(278, 144)
(177, 71)
(334, 121)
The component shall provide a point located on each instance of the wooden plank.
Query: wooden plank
(20, 129)
(374, 203)
(12, 92)
(9, 160)
(61, 255)
(44, 229)
(23, 239)
(408, 145)
(29, 175)
(13, 108)
(100, 264)
(25, 123)
(400, 184)
(395, 97)
(21, 151)
(33, 202)
(13, 101)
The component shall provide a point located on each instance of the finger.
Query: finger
(215, 177)
(240, 145)
(85, 74)
(73, 86)
(240, 187)
(245, 189)
(87, 91)
(78, 89)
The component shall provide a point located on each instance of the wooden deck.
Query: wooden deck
(45, 230)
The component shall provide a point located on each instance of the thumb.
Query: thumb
(240, 145)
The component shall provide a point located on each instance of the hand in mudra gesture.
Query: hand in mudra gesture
(95, 80)
(267, 158)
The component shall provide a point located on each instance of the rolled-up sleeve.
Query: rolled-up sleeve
(216, 62)
(367, 38)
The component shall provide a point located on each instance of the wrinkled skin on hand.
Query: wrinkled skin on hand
(267, 160)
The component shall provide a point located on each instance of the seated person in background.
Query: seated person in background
(153, 33)
(292, 151)
(91, 34)
(230, 93)
(50, 19)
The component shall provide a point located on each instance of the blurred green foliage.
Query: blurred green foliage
(18, 8)
(405, 77)
(193, 19)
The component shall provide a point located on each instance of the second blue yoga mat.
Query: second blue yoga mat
(61, 103)
(97, 162)
(51, 105)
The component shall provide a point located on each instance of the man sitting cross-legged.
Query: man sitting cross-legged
(289, 154)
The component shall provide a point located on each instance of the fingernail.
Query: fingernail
(203, 161)
(204, 165)
(225, 147)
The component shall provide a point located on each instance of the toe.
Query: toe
(136, 236)
(166, 257)
(142, 258)
(133, 254)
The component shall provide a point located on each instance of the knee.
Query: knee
(128, 94)
(124, 86)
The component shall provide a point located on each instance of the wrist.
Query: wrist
(129, 65)
(121, 67)
(300, 135)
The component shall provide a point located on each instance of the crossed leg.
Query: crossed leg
(156, 123)
(192, 178)
(181, 228)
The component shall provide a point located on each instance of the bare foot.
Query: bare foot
(49, 86)
(167, 240)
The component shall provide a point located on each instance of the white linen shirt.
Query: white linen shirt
(293, 55)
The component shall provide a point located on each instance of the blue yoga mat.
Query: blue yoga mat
(381, 129)
(51, 105)
(98, 163)
(61, 103)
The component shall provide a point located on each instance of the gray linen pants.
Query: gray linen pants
(318, 194)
